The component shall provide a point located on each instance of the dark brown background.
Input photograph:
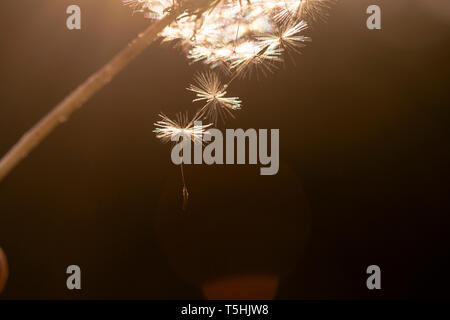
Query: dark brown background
(363, 117)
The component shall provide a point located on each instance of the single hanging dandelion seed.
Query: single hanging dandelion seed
(168, 130)
(210, 89)
(172, 130)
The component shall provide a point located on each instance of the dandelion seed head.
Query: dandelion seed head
(236, 33)
(168, 130)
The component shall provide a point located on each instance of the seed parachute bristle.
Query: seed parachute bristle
(210, 90)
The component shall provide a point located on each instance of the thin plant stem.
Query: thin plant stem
(185, 189)
(83, 93)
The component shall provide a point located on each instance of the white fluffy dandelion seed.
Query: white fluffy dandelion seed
(169, 130)
(210, 89)
(255, 58)
(287, 37)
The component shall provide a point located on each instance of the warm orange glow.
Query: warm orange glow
(242, 287)
(3, 270)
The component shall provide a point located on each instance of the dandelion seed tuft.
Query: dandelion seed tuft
(210, 89)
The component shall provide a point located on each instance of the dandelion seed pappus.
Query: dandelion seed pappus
(227, 32)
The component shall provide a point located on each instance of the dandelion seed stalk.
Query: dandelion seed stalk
(185, 189)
